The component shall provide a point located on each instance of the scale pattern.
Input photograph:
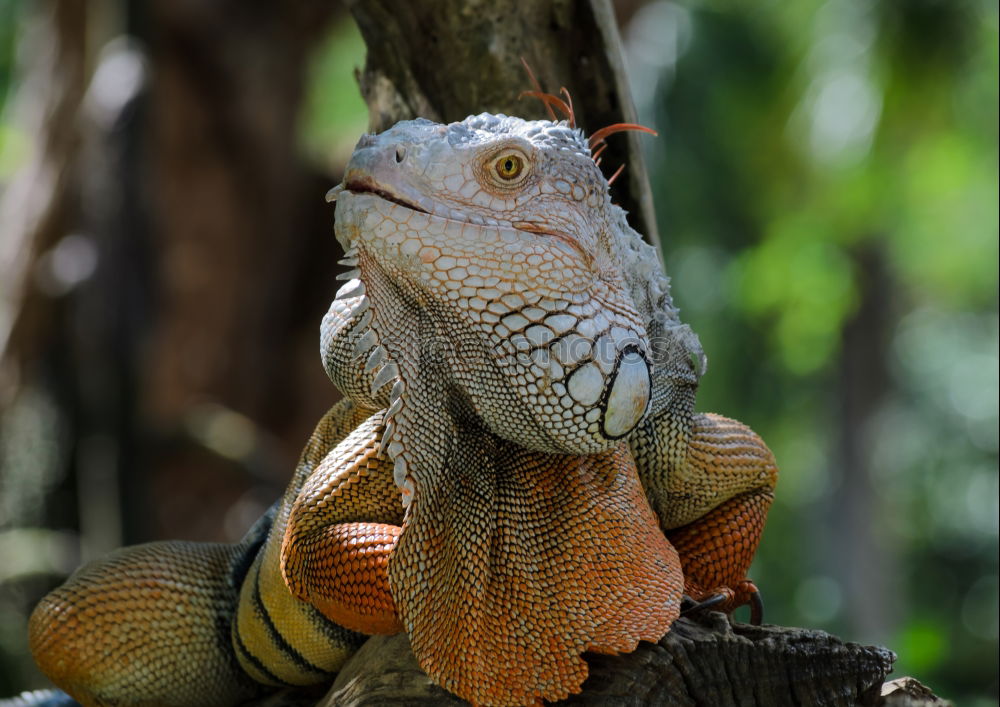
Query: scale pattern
(533, 564)
(125, 627)
(719, 547)
(516, 476)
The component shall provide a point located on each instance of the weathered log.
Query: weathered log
(907, 692)
(902, 692)
(703, 661)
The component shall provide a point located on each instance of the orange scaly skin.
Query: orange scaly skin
(515, 477)
(343, 570)
(716, 550)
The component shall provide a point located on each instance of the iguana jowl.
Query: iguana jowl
(515, 477)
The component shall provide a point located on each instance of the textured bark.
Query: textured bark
(450, 59)
(700, 662)
(907, 692)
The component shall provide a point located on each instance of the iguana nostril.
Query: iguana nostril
(400, 153)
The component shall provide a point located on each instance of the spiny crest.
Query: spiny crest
(640, 263)
(548, 99)
(595, 142)
(377, 360)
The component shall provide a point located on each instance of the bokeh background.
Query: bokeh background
(826, 190)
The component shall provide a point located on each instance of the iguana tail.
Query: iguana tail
(151, 620)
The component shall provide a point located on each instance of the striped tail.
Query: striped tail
(278, 639)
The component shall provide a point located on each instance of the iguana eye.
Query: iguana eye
(507, 168)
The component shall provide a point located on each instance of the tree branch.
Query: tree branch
(701, 661)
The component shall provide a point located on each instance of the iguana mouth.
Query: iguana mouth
(367, 185)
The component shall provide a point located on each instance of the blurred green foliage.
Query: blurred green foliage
(335, 115)
(13, 140)
(799, 140)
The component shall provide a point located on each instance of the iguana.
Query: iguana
(515, 476)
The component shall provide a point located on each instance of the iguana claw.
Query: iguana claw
(756, 607)
(691, 606)
(727, 600)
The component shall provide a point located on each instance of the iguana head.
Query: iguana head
(503, 227)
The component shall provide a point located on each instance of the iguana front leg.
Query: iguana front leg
(710, 481)
(340, 532)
